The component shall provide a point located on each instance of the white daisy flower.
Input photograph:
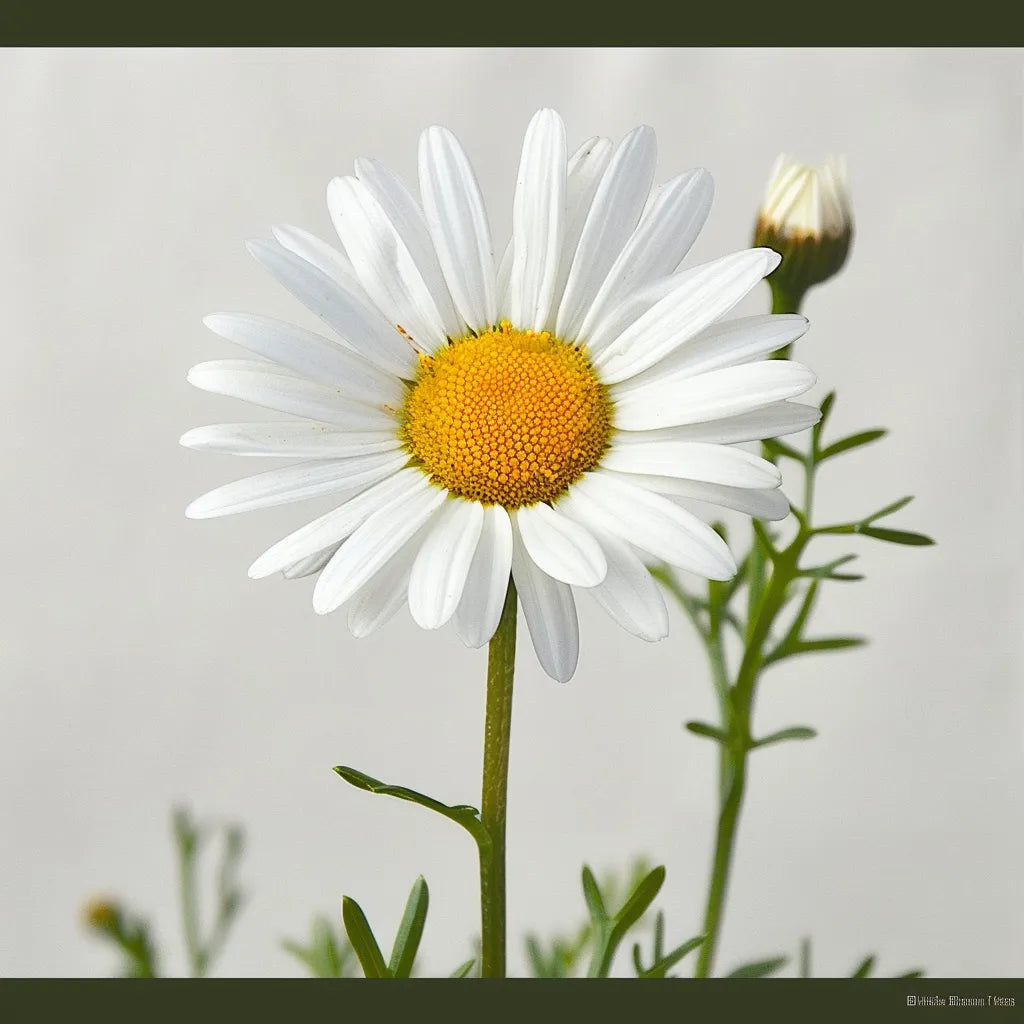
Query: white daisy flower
(545, 416)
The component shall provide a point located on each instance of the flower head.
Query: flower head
(545, 416)
(807, 218)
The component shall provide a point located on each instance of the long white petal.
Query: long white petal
(273, 387)
(483, 596)
(309, 354)
(405, 214)
(550, 613)
(622, 315)
(628, 593)
(694, 460)
(562, 548)
(538, 222)
(295, 483)
(311, 564)
(726, 343)
(369, 548)
(457, 219)
(385, 266)
(377, 601)
(667, 229)
(337, 524)
(763, 503)
(442, 565)
(700, 296)
(359, 325)
(650, 522)
(774, 420)
(612, 218)
(326, 258)
(712, 396)
(296, 439)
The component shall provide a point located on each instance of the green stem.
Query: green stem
(501, 659)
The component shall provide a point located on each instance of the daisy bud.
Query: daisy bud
(806, 217)
(101, 914)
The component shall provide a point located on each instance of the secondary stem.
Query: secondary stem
(501, 659)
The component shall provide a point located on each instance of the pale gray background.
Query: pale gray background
(141, 667)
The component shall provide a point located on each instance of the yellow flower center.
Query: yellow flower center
(507, 417)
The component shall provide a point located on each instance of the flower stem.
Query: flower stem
(501, 659)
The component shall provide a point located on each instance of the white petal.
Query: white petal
(583, 174)
(310, 565)
(550, 613)
(375, 603)
(700, 296)
(442, 565)
(726, 343)
(297, 439)
(618, 318)
(774, 420)
(385, 266)
(650, 522)
(309, 354)
(629, 594)
(407, 217)
(358, 324)
(763, 503)
(667, 229)
(295, 483)
(372, 545)
(562, 548)
(694, 460)
(712, 396)
(337, 524)
(538, 222)
(483, 596)
(458, 225)
(504, 276)
(273, 387)
(330, 261)
(613, 216)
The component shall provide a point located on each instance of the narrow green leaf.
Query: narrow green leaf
(765, 539)
(592, 894)
(638, 964)
(410, 931)
(363, 942)
(826, 409)
(828, 643)
(890, 509)
(853, 441)
(660, 968)
(821, 572)
(537, 962)
(896, 536)
(639, 900)
(710, 731)
(760, 968)
(781, 450)
(463, 969)
(796, 732)
(916, 973)
(864, 969)
(805, 958)
(464, 814)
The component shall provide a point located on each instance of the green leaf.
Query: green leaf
(639, 901)
(463, 969)
(827, 571)
(410, 931)
(828, 643)
(468, 817)
(662, 966)
(781, 450)
(890, 509)
(363, 942)
(710, 731)
(826, 409)
(796, 732)
(592, 894)
(896, 536)
(864, 969)
(916, 973)
(853, 441)
(760, 968)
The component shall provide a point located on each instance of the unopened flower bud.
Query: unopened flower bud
(806, 218)
(101, 914)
